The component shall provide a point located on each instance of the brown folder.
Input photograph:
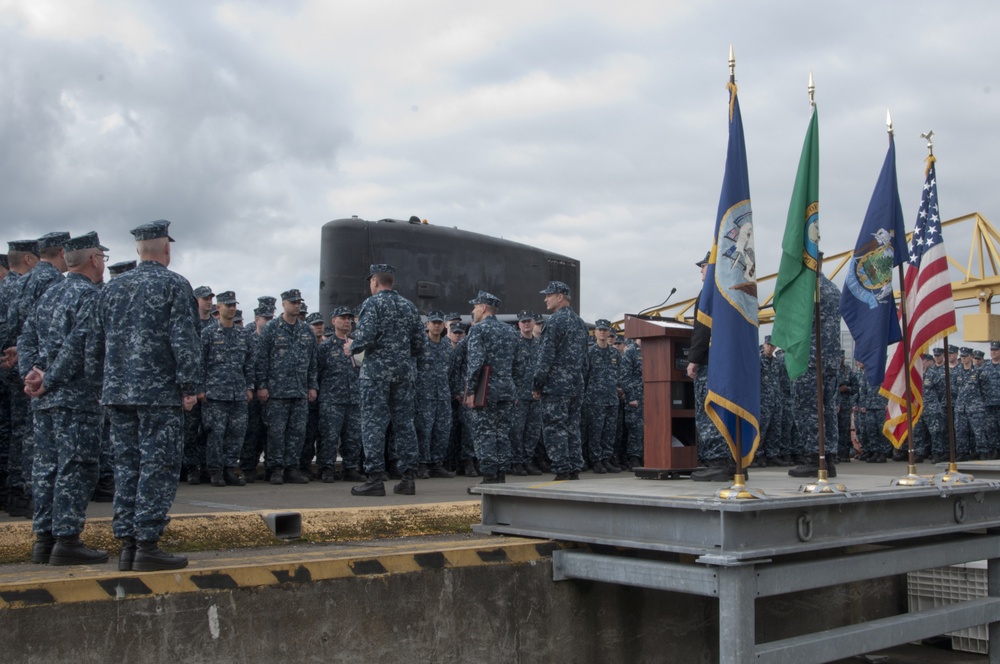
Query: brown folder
(482, 388)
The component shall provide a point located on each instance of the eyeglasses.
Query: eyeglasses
(104, 257)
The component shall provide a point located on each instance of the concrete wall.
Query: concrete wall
(497, 613)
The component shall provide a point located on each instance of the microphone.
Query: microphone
(657, 306)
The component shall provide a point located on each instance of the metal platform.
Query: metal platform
(745, 549)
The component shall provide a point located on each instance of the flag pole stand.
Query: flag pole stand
(739, 489)
(911, 478)
(952, 475)
(822, 483)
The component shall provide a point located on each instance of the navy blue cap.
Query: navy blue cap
(380, 268)
(556, 287)
(459, 327)
(203, 291)
(453, 316)
(539, 319)
(341, 311)
(525, 314)
(228, 297)
(995, 345)
(435, 316)
(927, 356)
(86, 241)
(25, 246)
(767, 340)
(978, 354)
(267, 301)
(602, 324)
(303, 307)
(952, 349)
(704, 261)
(152, 230)
(964, 351)
(4, 262)
(938, 351)
(238, 318)
(264, 312)
(51, 240)
(314, 317)
(292, 295)
(485, 298)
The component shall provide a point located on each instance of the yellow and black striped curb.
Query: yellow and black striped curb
(90, 584)
(229, 530)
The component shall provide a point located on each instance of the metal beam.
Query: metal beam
(657, 575)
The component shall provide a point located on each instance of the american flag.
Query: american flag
(929, 309)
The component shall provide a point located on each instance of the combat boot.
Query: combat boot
(811, 467)
(470, 468)
(194, 475)
(41, 548)
(328, 475)
(438, 470)
(234, 477)
(407, 485)
(532, 469)
(599, 468)
(277, 475)
(104, 492)
(374, 486)
(218, 479)
(633, 463)
(71, 550)
(149, 557)
(296, 476)
(393, 470)
(423, 472)
(611, 466)
(127, 555)
(354, 475)
(716, 470)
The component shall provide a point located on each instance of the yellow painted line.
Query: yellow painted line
(93, 583)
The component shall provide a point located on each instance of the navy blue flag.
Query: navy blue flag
(729, 304)
(867, 303)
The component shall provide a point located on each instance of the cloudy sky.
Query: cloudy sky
(592, 129)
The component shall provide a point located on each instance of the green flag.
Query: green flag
(795, 291)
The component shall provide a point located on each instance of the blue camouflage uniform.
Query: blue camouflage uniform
(68, 417)
(391, 335)
(870, 418)
(461, 424)
(934, 415)
(16, 407)
(600, 401)
(526, 422)
(990, 373)
(804, 387)
(491, 344)
(145, 345)
(227, 354)
(774, 386)
(559, 381)
(969, 408)
(286, 368)
(433, 400)
(712, 447)
(630, 382)
(339, 406)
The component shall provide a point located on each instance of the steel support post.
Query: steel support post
(737, 637)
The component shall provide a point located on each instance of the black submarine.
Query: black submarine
(437, 267)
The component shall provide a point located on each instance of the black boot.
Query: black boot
(218, 479)
(127, 555)
(104, 492)
(194, 474)
(407, 485)
(41, 549)
(811, 468)
(423, 472)
(532, 469)
(716, 470)
(354, 475)
(599, 468)
(438, 470)
(374, 486)
(71, 550)
(470, 469)
(611, 466)
(150, 558)
(234, 477)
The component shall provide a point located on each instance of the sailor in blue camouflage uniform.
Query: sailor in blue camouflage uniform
(22, 256)
(391, 336)
(847, 389)
(969, 408)
(491, 358)
(921, 432)
(67, 414)
(195, 434)
(47, 273)
(339, 403)
(526, 416)
(255, 440)
(433, 405)
(311, 441)
(632, 407)
(990, 372)
(145, 345)
(712, 448)
(4, 407)
(460, 445)
(227, 355)
(773, 387)
(286, 382)
(934, 415)
(804, 389)
(600, 399)
(558, 381)
(869, 420)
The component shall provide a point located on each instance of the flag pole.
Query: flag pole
(822, 483)
(739, 490)
(911, 478)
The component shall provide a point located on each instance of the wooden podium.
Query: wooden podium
(670, 446)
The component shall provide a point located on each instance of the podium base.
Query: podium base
(664, 473)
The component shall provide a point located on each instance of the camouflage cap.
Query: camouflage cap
(767, 340)
(238, 318)
(485, 298)
(121, 268)
(341, 311)
(435, 316)
(978, 354)
(454, 315)
(952, 349)
(203, 291)
(227, 297)
(704, 261)
(267, 301)
(264, 312)
(152, 230)
(619, 340)
(329, 331)
(602, 324)
(964, 351)
(24, 246)
(459, 328)
(525, 314)
(4, 262)
(85, 241)
(994, 345)
(380, 268)
(292, 295)
(215, 310)
(556, 287)
(315, 318)
(52, 240)
(303, 307)
(539, 319)
(927, 356)
(940, 351)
